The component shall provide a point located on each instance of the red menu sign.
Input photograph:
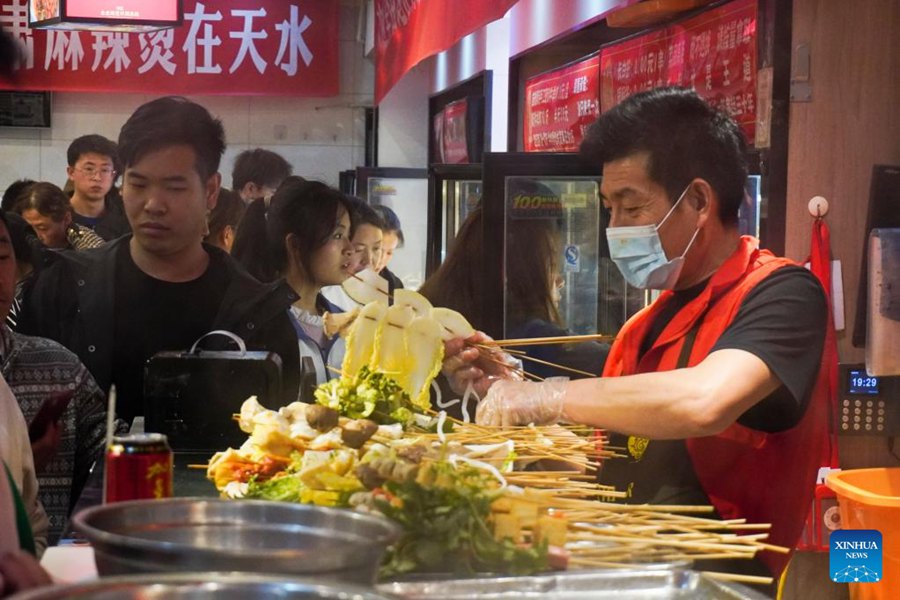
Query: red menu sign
(714, 53)
(559, 105)
(632, 66)
(453, 133)
(265, 47)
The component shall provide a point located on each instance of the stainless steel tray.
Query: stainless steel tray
(621, 584)
(201, 586)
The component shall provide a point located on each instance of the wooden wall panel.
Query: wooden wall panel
(852, 123)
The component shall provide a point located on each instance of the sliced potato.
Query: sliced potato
(390, 345)
(425, 354)
(416, 301)
(361, 341)
(453, 324)
(340, 323)
(367, 286)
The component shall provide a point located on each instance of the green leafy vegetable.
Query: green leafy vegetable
(367, 395)
(446, 526)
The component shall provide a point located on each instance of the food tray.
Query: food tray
(618, 583)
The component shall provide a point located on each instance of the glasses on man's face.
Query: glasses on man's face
(102, 172)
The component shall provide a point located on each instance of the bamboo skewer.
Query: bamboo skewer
(560, 339)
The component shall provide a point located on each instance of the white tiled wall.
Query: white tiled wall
(319, 136)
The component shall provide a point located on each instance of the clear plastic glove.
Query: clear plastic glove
(510, 403)
(465, 363)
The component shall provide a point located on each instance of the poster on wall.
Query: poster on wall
(714, 53)
(632, 66)
(454, 134)
(228, 47)
(560, 105)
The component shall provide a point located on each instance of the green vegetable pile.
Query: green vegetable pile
(367, 395)
(446, 526)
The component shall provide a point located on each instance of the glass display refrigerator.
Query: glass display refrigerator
(555, 198)
(405, 191)
(453, 192)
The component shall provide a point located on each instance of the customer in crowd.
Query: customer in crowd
(307, 233)
(12, 192)
(532, 292)
(92, 170)
(257, 174)
(36, 369)
(225, 219)
(160, 288)
(29, 252)
(46, 208)
(15, 447)
(392, 238)
(365, 236)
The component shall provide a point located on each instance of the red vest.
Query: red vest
(762, 477)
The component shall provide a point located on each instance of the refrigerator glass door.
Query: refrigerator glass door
(408, 198)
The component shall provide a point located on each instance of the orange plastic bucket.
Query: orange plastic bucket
(870, 499)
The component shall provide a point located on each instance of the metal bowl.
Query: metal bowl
(201, 534)
(200, 586)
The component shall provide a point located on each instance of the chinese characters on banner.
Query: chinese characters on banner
(409, 31)
(454, 137)
(714, 53)
(265, 47)
(559, 106)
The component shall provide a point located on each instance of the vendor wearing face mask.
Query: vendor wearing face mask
(715, 389)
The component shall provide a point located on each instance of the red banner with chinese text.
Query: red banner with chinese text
(560, 105)
(454, 133)
(409, 31)
(713, 52)
(632, 66)
(228, 47)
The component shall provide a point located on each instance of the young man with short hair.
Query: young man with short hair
(92, 171)
(160, 288)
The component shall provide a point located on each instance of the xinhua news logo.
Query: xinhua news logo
(856, 556)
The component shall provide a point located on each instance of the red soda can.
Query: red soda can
(138, 466)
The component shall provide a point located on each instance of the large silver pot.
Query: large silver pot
(199, 586)
(199, 534)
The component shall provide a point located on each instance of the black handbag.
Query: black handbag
(192, 396)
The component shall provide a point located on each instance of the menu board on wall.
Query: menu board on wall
(632, 66)
(713, 52)
(454, 136)
(559, 106)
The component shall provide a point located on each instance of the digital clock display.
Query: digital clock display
(862, 383)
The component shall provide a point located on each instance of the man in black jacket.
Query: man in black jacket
(160, 288)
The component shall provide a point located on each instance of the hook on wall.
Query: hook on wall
(818, 207)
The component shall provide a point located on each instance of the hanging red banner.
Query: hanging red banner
(409, 31)
(714, 53)
(228, 47)
(454, 133)
(560, 105)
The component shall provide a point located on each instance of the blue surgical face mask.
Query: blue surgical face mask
(639, 254)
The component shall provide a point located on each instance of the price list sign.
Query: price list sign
(714, 53)
(560, 105)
